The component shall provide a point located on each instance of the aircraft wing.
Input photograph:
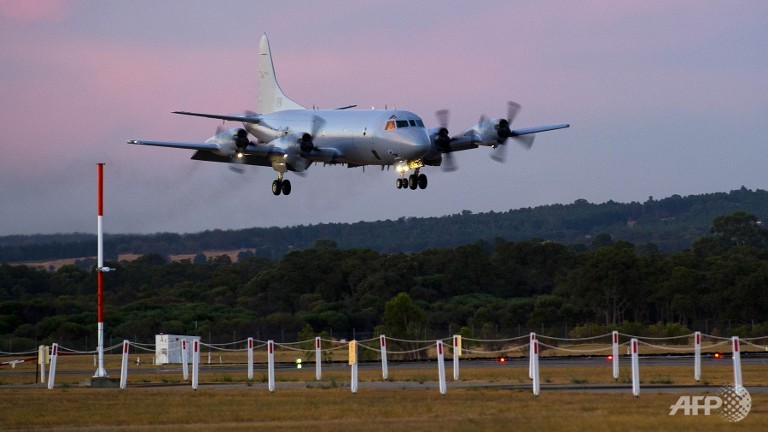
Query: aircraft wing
(247, 118)
(175, 144)
(537, 129)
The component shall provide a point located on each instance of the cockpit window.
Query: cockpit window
(392, 123)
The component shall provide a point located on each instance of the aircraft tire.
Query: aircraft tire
(422, 181)
(286, 187)
(413, 182)
(399, 183)
(276, 187)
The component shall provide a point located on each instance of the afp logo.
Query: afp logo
(732, 404)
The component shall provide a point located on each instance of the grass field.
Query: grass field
(334, 409)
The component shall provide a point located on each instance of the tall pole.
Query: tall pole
(100, 269)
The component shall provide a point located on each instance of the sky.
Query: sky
(663, 98)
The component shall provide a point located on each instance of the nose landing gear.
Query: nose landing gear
(281, 186)
(413, 181)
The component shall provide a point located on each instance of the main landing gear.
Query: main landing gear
(413, 181)
(281, 186)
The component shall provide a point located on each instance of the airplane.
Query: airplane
(290, 137)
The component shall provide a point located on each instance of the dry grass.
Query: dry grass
(244, 408)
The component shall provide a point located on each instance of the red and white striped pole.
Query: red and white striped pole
(100, 269)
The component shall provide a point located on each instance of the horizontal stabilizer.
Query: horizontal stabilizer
(248, 118)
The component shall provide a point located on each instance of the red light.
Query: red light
(609, 358)
(501, 359)
(718, 355)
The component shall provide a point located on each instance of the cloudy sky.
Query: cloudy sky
(663, 98)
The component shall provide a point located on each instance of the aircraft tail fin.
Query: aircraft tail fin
(270, 97)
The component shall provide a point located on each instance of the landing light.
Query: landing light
(239, 154)
(401, 167)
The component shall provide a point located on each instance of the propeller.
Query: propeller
(241, 143)
(443, 141)
(306, 142)
(504, 132)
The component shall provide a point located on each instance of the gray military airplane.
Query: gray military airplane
(290, 137)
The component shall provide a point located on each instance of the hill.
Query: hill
(670, 224)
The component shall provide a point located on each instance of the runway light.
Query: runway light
(298, 363)
(609, 358)
(718, 355)
(501, 360)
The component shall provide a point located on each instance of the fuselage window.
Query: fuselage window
(419, 123)
(412, 122)
(402, 123)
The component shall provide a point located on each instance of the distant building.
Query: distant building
(168, 348)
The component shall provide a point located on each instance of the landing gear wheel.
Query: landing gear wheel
(277, 187)
(399, 183)
(422, 181)
(286, 187)
(413, 182)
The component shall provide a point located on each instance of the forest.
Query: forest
(484, 289)
(671, 224)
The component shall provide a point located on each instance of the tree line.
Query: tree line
(671, 224)
(482, 289)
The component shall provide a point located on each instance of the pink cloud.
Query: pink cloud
(34, 10)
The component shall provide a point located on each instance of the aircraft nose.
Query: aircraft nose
(421, 142)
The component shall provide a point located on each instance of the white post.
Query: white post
(52, 371)
(441, 366)
(353, 363)
(42, 353)
(536, 380)
(456, 355)
(635, 369)
(271, 365)
(736, 362)
(615, 354)
(195, 362)
(184, 360)
(697, 356)
(318, 358)
(124, 366)
(250, 358)
(384, 366)
(530, 355)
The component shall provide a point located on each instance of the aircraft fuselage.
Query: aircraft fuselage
(360, 137)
